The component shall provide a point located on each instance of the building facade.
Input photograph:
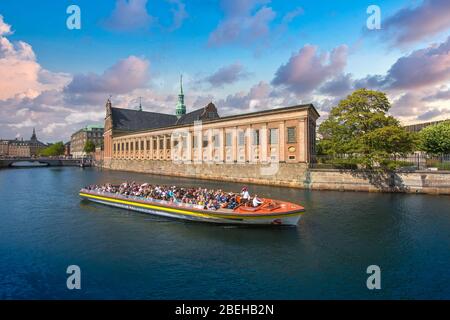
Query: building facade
(93, 133)
(67, 152)
(285, 135)
(419, 126)
(21, 148)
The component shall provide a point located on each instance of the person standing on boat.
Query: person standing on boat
(245, 196)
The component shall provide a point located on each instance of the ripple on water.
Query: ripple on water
(123, 254)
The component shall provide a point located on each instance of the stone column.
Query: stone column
(264, 143)
(282, 142)
(210, 147)
(221, 144)
(158, 149)
(150, 147)
(302, 140)
(249, 143)
(137, 148)
(234, 144)
(165, 147)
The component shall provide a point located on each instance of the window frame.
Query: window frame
(294, 130)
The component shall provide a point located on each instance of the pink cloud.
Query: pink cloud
(408, 104)
(443, 94)
(291, 15)
(227, 75)
(21, 74)
(5, 29)
(420, 69)
(423, 67)
(123, 77)
(240, 24)
(412, 24)
(129, 15)
(338, 86)
(132, 15)
(307, 70)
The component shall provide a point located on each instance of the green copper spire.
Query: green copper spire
(181, 108)
(181, 83)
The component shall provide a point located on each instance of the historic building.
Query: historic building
(78, 140)
(21, 148)
(284, 135)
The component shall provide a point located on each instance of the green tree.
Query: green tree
(55, 149)
(89, 146)
(435, 139)
(360, 128)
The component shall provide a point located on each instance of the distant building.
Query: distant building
(21, 148)
(78, 140)
(67, 149)
(4, 148)
(98, 155)
(419, 126)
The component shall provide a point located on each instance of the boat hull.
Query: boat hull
(178, 212)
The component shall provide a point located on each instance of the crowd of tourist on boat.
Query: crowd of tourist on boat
(208, 199)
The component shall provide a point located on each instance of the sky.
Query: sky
(243, 55)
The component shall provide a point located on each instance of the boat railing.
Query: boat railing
(145, 199)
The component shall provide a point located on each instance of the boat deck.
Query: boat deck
(268, 207)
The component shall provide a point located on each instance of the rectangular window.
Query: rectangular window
(114, 148)
(205, 141)
(241, 138)
(122, 147)
(228, 139)
(137, 145)
(155, 144)
(273, 136)
(211, 115)
(142, 144)
(168, 143)
(126, 146)
(256, 137)
(216, 140)
(131, 146)
(148, 144)
(161, 144)
(291, 135)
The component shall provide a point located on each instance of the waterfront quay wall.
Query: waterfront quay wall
(281, 174)
(296, 175)
(430, 182)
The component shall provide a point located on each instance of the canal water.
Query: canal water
(44, 228)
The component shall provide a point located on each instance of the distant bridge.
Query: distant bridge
(13, 162)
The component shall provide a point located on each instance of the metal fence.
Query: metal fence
(417, 161)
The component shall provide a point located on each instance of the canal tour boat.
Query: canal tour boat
(270, 212)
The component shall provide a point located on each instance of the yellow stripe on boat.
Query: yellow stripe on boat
(204, 215)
